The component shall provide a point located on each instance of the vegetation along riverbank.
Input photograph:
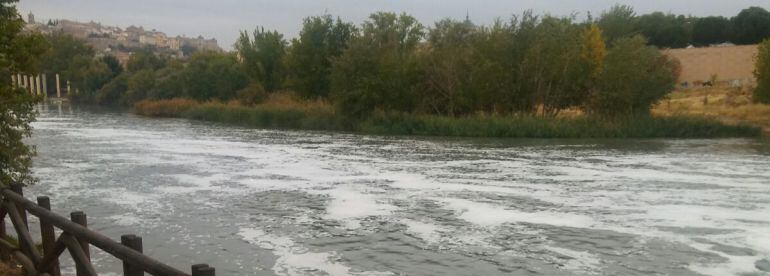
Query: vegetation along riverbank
(528, 76)
(291, 114)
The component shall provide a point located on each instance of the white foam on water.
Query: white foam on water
(349, 206)
(428, 232)
(294, 259)
(488, 215)
(578, 261)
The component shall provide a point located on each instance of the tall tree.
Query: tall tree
(379, 70)
(19, 53)
(263, 57)
(665, 30)
(751, 25)
(711, 30)
(309, 60)
(618, 22)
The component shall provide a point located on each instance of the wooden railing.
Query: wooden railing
(75, 237)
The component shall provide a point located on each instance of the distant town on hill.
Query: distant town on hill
(121, 42)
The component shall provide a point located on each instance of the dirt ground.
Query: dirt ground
(729, 105)
(9, 270)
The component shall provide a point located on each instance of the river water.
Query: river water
(272, 202)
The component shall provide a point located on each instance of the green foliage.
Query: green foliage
(711, 30)
(380, 69)
(112, 93)
(19, 53)
(252, 94)
(263, 57)
(309, 60)
(210, 75)
(145, 59)
(618, 22)
(635, 77)
(665, 30)
(113, 64)
(751, 25)
(762, 73)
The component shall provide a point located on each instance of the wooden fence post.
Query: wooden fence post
(135, 243)
(48, 235)
(80, 218)
(4, 254)
(19, 189)
(203, 270)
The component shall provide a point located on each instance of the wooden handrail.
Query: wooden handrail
(74, 231)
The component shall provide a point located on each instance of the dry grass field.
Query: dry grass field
(729, 105)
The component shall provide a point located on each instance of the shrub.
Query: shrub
(762, 73)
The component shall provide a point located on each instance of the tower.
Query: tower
(30, 18)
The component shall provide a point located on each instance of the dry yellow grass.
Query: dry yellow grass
(729, 105)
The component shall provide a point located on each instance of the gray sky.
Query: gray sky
(222, 19)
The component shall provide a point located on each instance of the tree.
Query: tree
(556, 72)
(711, 30)
(665, 30)
(309, 60)
(618, 22)
(449, 68)
(19, 53)
(144, 59)
(262, 55)
(210, 75)
(751, 25)
(113, 64)
(635, 76)
(380, 69)
(762, 73)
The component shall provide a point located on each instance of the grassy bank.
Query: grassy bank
(284, 113)
(727, 105)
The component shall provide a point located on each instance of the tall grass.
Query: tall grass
(288, 113)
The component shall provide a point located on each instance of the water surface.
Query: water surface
(271, 202)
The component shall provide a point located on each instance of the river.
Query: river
(274, 202)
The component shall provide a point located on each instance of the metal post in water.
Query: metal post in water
(58, 87)
(31, 84)
(45, 87)
(13, 81)
(69, 88)
(38, 87)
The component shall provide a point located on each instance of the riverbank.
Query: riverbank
(727, 105)
(284, 113)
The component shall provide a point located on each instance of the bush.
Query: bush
(635, 77)
(762, 73)
(252, 94)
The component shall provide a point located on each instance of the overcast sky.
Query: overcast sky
(222, 19)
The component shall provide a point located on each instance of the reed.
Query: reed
(290, 113)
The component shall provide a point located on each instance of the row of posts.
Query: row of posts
(37, 85)
(48, 236)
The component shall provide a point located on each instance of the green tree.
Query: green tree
(145, 59)
(210, 75)
(556, 73)
(309, 60)
(665, 30)
(618, 22)
(380, 69)
(751, 25)
(635, 77)
(263, 57)
(113, 64)
(449, 68)
(762, 73)
(19, 53)
(711, 30)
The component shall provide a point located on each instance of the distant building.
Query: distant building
(30, 18)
